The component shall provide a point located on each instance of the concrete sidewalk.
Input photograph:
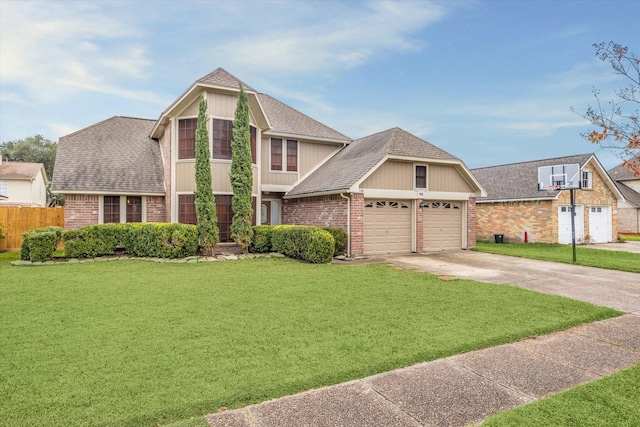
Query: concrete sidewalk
(458, 390)
(465, 389)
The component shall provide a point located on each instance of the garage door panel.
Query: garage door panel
(442, 225)
(387, 227)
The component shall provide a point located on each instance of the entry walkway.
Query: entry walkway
(465, 389)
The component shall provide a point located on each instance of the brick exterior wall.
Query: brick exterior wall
(357, 223)
(419, 227)
(324, 211)
(539, 218)
(471, 222)
(629, 220)
(156, 209)
(80, 210)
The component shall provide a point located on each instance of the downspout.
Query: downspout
(348, 223)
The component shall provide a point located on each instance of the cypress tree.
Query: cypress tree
(241, 174)
(208, 233)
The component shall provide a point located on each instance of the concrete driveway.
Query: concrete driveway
(616, 289)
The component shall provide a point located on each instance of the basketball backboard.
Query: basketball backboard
(559, 177)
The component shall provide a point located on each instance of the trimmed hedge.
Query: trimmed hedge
(159, 240)
(312, 244)
(261, 240)
(340, 237)
(39, 244)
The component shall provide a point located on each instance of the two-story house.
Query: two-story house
(392, 192)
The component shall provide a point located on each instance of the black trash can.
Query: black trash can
(499, 238)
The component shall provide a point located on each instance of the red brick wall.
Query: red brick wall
(471, 222)
(80, 210)
(324, 211)
(419, 227)
(156, 209)
(357, 223)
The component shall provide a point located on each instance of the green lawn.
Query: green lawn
(133, 343)
(630, 237)
(611, 401)
(612, 260)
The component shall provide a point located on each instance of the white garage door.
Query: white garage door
(600, 224)
(564, 224)
(441, 225)
(387, 226)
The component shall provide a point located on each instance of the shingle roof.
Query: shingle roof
(221, 77)
(629, 194)
(115, 155)
(348, 166)
(621, 173)
(284, 119)
(20, 170)
(520, 180)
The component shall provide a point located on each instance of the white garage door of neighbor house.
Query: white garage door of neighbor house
(441, 225)
(564, 224)
(387, 226)
(600, 224)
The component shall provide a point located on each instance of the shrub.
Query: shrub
(261, 241)
(340, 236)
(312, 244)
(34, 248)
(137, 239)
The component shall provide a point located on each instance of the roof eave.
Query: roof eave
(317, 194)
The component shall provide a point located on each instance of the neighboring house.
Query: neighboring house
(629, 210)
(23, 184)
(516, 208)
(392, 192)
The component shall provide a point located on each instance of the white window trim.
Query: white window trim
(4, 184)
(426, 176)
(123, 208)
(589, 185)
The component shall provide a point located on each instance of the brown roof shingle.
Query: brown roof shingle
(20, 170)
(115, 155)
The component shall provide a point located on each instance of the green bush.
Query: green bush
(261, 241)
(340, 236)
(36, 249)
(160, 240)
(312, 244)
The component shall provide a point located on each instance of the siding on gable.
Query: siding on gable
(392, 175)
(446, 178)
(186, 177)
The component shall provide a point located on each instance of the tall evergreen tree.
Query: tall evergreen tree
(241, 174)
(208, 233)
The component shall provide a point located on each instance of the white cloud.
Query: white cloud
(336, 36)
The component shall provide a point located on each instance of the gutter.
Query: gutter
(348, 223)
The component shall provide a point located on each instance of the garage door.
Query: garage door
(600, 224)
(564, 224)
(441, 225)
(387, 226)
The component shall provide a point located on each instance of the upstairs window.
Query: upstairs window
(111, 209)
(421, 177)
(284, 152)
(4, 190)
(222, 137)
(587, 182)
(187, 138)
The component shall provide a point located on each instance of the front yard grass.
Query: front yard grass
(611, 401)
(630, 237)
(612, 260)
(133, 343)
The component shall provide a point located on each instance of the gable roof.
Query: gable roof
(630, 195)
(22, 170)
(289, 121)
(519, 181)
(621, 173)
(360, 157)
(113, 156)
(222, 78)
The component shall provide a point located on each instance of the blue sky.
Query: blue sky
(491, 82)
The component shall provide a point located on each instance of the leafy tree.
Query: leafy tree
(34, 149)
(207, 225)
(618, 124)
(241, 174)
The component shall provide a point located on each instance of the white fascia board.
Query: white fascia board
(109, 193)
(271, 133)
(537, 199)
(316, 194)
(276, 188)
(605, 176)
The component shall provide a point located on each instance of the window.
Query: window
(225, 217)
(187, 209)
(4, 190)
(292, 155)
(586, 180)
(111, 209)
(222, 137)
(421, 177)
(278, 153)
(134, 209)
(253, 133)
(187, 138)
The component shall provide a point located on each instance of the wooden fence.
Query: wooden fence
(15, 220)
